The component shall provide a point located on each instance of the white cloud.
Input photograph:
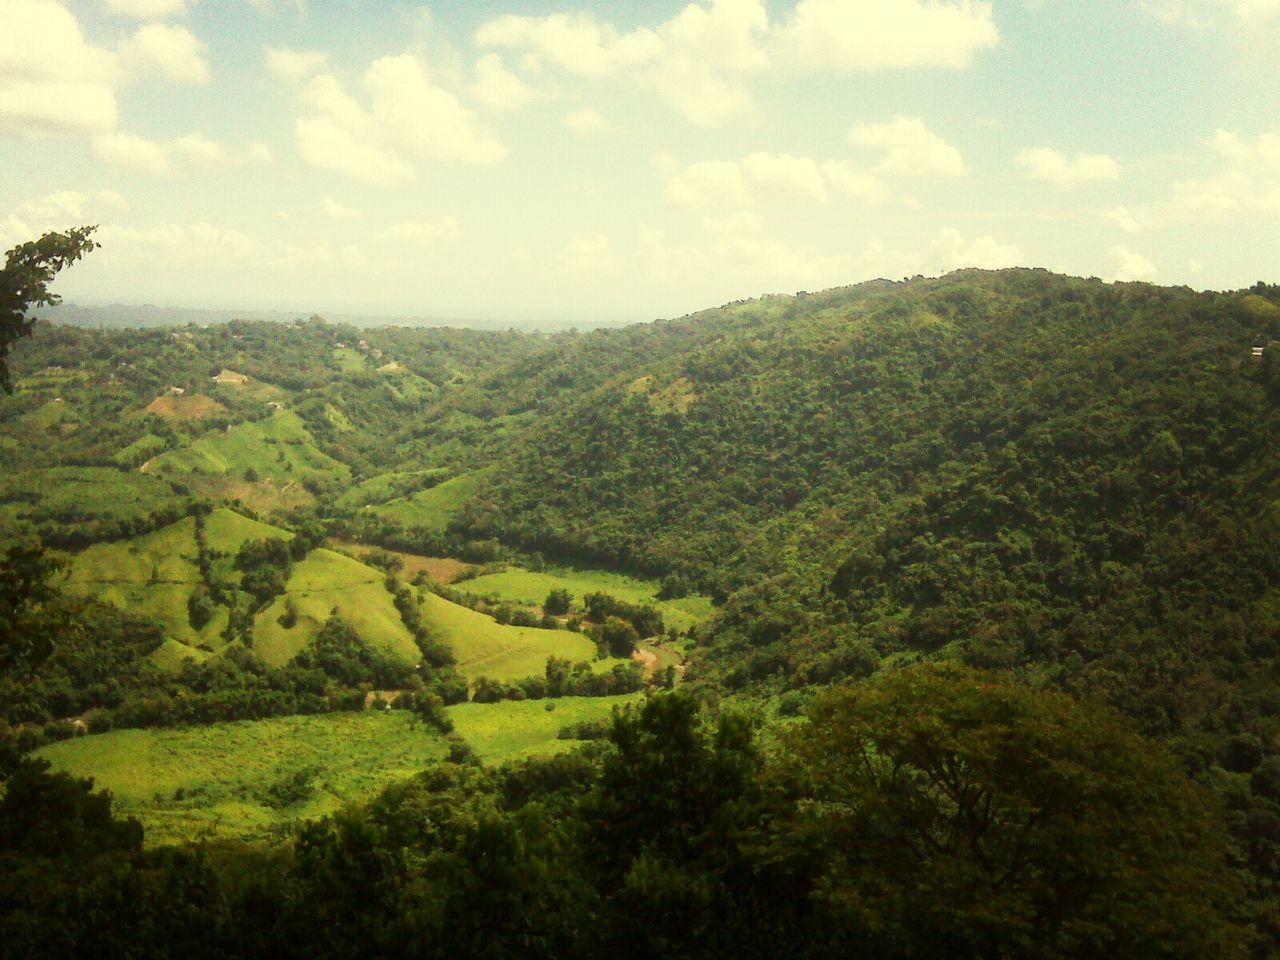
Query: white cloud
(52, 81)
(1053, 167)
(910, 149)
(1200, 14)
(332, 209)
(711, 183)
(58, 211)
(693, 61)
(497, 88)
(408, 118)
(173, 52)
(1247, 182)
(1131, 265)
(585, 121)
(870, 35)
(953, 251)
(147, 9)
(576, 43)
(589, 256)
(761, 177)
(170, 158)
(854, 183)
(786, 176)
(294, 64)
(420, 233)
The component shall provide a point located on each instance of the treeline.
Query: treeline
(935, 813)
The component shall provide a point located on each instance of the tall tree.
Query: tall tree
(24, 283)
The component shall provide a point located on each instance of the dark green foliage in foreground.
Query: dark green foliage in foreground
(28, 271)
(934, 814)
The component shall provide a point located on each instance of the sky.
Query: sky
(536, 160)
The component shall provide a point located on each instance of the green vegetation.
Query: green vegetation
(324, 582)
(532, 587)
(483, 647)
(224, 781)
(431, 509)
(1065, 484)
(278, 447)
(510, 730)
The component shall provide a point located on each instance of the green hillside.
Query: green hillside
(251, 780)
(322, 583)
(484, 647)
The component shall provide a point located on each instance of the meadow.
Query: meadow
(484, 647)
(530, 587)
(431, 509)
(512, 730)
(249, 780)
(323, 583)
(279, 447)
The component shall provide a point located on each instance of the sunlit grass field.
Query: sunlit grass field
(432, 509)
(321, 583)
(484, 647)
(234, 780)
(278, 447)
(512, 729)
(531, 587)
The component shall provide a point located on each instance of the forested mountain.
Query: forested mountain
(1071, 485)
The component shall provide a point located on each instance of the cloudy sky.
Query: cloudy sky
(537, 159)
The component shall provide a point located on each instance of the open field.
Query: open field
(484, 647)
(439, 569)
(388, 486)
(154, 575)
(96, 500)
(278, 447)
(237, 780)
(531, 587)
(432, 509)
(510, 730)
(193, 407)
(323, 582)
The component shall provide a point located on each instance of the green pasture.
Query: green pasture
(234, 780)
(348, 360)
(484, 647)
(154, 575)
(386, 486)
(94, 499)
(278, 447)
(432, 509)
(531, 588)
(511, 729)
(321, 583)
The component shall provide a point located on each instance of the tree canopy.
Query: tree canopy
(24, 283)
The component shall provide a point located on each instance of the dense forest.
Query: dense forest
(993, 667)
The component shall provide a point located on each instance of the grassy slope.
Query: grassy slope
(278, 447)
(153, 575)
(531, 587)
(513, 729)
(484, 647)
(82, 495)
(432, 509)
(323, 581)
(226, 770)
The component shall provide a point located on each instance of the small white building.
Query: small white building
(1257, 351)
